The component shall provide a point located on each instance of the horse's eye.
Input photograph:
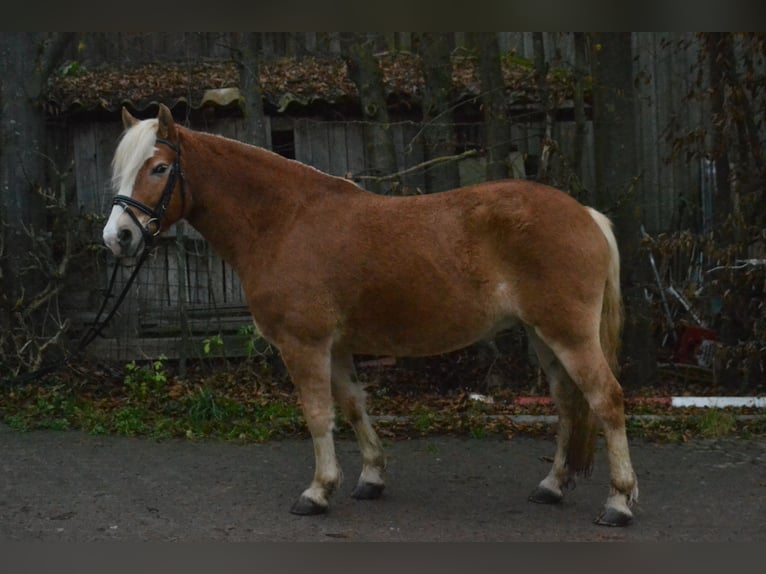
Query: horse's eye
(160, 169)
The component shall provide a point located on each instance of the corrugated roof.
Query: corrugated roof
(288, 82)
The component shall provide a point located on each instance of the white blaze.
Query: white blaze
(136, 146)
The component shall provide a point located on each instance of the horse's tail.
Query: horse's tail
(585, 424)
(611, 310)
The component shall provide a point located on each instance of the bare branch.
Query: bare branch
(423, 165)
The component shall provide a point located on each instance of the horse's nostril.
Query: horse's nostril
(125, 236)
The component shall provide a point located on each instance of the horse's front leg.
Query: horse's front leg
(309, 369)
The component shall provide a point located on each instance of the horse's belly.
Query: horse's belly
(427, 318)
(423, 337)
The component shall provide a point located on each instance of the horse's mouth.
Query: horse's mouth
(127, 259)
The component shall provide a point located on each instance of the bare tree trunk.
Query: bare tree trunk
(614, 131)
(498, 134)
(722, 204)
(737, 149)
(546, 103)
(248, 63)
(358, 52)
(439, 132)
(575, 183)
(26, 62)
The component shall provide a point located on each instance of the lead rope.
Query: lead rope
(94, 331)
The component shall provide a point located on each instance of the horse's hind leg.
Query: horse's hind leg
(586, 365)
(309, 369)
(350, 397)
(576, 434)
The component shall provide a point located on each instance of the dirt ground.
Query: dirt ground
(70, 486)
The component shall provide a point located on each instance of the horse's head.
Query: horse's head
(147, 177)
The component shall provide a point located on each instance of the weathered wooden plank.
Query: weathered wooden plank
(338, 164)
(216, 279)
(647, 131)
(566, 135)
(355, 150)
(405, 41)
(658, 203)
(237, 291)
(229, 292)
(687, 171)
(267, 127)
(519, 136)
(560, 49)
(196, 255)
(320, 147)
(397, 133)
(208, 311)
(563, 134)
(171, 276)
(410, 152)
(169, 323)
(86, 169)
(303, 142)
(588, 169)
(527, 49)
(126, 319)
(473, 170)
(150, 348)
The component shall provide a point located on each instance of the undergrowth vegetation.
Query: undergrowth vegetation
(248, 402)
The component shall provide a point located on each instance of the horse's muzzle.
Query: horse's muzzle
(122, 236)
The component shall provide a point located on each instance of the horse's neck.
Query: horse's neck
(242, 195)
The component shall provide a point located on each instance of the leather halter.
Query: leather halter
(157, 214)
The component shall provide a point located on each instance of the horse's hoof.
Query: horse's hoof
(613, 517)
(541, 495)
(307, 507)
(368, 491)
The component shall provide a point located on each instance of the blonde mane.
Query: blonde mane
(136, 146)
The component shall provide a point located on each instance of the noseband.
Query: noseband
(157, 214)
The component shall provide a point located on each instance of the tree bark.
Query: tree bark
(23, 65)
(26, 62)
(439, 132)
(358, 52)
(616, 168)
(248, 64)
(547, 106)
(722, 204)
(737, 149)
(497, 126)
(576, 187)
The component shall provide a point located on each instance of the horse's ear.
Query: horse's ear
(128, 121)
(166, 126)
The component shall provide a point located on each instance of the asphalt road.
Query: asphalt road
(69, 486)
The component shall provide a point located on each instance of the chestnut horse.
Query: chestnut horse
(330, 270)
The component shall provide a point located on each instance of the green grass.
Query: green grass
(130, 421)
(424, 420)
(714, 423)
